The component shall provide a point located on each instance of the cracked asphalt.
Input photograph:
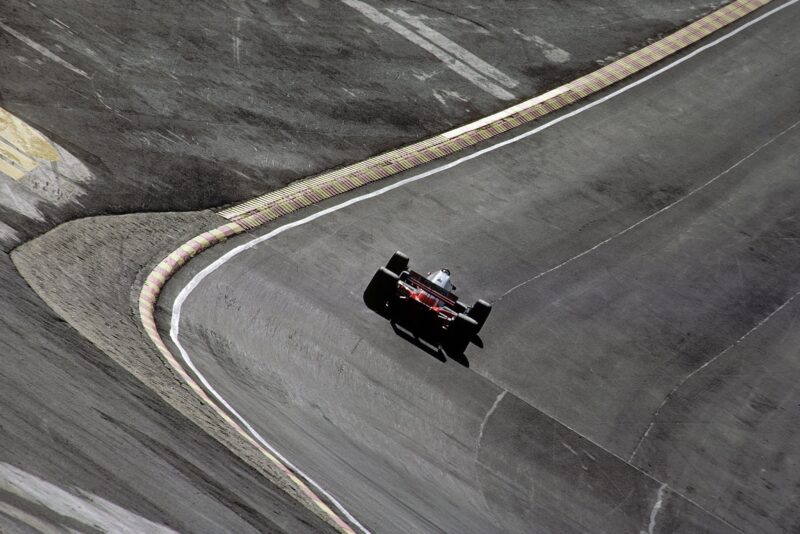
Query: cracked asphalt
(190, 105)
(158, 107)
(639, 371)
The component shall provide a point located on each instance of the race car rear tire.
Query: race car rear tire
(398, 263)
(460, 333)
(380, 290)
(480, 312)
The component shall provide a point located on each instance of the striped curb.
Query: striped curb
(271, 206)
(151, 289)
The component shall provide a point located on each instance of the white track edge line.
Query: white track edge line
(253, 432)
(199, 277)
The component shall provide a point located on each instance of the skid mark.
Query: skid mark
(312, 190)
(456, 50)
(456, 65)
(271, 206)
(43, 50)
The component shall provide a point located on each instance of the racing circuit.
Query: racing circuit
(638, 372)
(639, 259)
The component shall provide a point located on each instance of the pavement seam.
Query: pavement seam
(758, 325)
(671, 394)
(633, 466)
(271, 206)
(653, 215)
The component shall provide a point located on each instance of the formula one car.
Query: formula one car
(396, 291)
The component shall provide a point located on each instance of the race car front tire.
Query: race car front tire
(380, 290)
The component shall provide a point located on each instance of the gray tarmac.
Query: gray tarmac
(101, 264)
(648, 384)
(165, 106)
(155, 106)
(85, 447)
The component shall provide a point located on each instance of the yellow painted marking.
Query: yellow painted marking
(218, 234)
(12, 154)
(10, 170)
(161, 278)
(188, 249)
(201, 240)
(574, 91)
(21, 146)
(177, 258)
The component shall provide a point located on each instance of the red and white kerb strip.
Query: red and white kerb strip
(265, 208)
(305, 193)
(147, 301)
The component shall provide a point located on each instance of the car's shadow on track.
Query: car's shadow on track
(430, 342)
(425, 311)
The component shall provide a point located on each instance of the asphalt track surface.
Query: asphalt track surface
(639, 371)
(168, 118)
(172, 106)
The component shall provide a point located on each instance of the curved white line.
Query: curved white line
(174, 331)
(640, 222)
(199, 277)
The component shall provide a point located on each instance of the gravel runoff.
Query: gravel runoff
(89, 271)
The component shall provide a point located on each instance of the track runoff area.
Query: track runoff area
(252, 214)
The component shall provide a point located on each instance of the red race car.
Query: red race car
(396, 291)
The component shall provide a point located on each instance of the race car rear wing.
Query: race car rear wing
(417, 280)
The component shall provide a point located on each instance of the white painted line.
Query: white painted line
(174, 333)
(454, 64)
(506, 112)
(456, 50)
(44, 51)
(640, 222)
(89, 510)
(688, 377)
(207, 271)
(550, 51)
